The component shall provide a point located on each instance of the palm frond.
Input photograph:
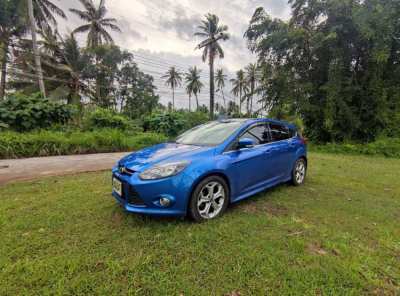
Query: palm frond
(82, 14)
(89, 6)
(107, 37)
(82, 29)
(111, 26)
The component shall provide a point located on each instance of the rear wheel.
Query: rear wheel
(209, 199)
(299, 172)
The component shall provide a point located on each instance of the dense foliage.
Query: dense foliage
(45, 143)
(389, 147)
(334, 63)
(23, 113)
(173, 123)
(105, 118)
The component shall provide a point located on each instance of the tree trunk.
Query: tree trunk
(4, 71)
(173, 99)
(223, 97)
(35, 49)
(190, 102)
(251, 98)
(240, 103)
(211, 59)
(197, 103)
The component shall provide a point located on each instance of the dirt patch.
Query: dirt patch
(316, 249)
(267, 208)
(233, 293)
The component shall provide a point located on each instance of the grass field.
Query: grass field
(339, 234)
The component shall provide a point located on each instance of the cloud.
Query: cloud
(128, 30)
(184, 25)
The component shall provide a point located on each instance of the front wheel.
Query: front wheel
(209, 199)
(299, 172)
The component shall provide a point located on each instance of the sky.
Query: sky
(160, 34)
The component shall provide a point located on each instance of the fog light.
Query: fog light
(164, 202)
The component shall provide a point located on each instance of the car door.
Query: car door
(248, 165)
(280, 150)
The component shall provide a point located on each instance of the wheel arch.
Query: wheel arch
(202, 177)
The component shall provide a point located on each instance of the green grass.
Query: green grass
(339, 234)
(389, 147)
(46, 143)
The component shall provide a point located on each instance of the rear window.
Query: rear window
(279, 132)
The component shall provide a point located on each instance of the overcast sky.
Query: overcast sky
(160, 33)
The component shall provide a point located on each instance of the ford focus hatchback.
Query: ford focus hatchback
(209, 167)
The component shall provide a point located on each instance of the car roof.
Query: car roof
(249, 121)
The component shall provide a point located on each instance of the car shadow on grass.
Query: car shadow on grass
(262, 202)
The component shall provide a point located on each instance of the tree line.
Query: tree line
(334, 65)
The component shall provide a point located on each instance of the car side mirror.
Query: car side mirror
(245, 143)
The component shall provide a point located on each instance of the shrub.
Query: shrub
(104, 118)
(173, 123)
(24, 113)
(166, 123)
(194, 118)
(389, 147)
(46, 143)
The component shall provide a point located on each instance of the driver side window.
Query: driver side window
(259, 134)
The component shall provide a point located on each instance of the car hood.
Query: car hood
(159, 153)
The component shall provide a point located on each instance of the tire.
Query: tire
(204, 204)
(299, 172)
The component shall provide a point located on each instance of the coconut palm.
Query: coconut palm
(193, 84)
(220, 79)
(11, 25)
(41, 12)
(96, 23)
(212, 31)
(251, 79)
(173, 79)
(240, 87)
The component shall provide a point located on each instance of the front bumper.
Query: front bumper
(176, 188)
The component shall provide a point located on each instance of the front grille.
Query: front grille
(131, 196)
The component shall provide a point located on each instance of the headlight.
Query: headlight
(163, 170)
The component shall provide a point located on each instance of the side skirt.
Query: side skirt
(260, 189)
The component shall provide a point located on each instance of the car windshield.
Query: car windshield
(209, 134)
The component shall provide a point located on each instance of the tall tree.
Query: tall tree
(96, 27)
(173, 79)
(193, 84)
(239, 87)
(41, 12)
(11, 26)
(251, 79)
(212, 31)
(97, 24)
(220, 79)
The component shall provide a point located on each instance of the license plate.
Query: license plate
(117, 186)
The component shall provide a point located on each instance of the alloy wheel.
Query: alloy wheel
(300, 171)
(210, 200)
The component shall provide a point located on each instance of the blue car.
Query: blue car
(209, 167)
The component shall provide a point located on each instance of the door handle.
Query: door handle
(268, 151)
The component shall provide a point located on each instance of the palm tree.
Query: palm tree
(193, 84)
(220, 79)
(239, 87)
(212, 31)
(41, 12)
(251, 79)
(96, 24)
(11, 25)
(173, 79)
